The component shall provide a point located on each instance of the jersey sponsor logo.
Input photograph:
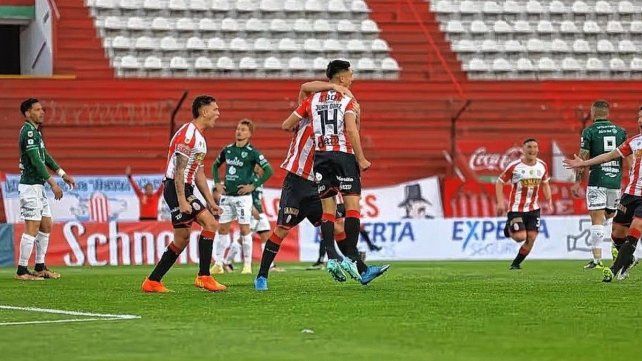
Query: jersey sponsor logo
(291, 210)
(235, 161)
(530, 182)
(232, 170)
(345, 179)
(345, 187)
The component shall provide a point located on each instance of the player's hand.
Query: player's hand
(215, 209)
(128, 171)
(185, 207)
(501, 209)
(245, 189)
(343, 90)
(220, 188)
(550, 205)
(57, 191)
(364, 164)
(574, 163)
(576, 189)
(71, 182)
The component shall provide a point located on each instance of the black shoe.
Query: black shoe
(316, 265)
(515, 267)
(375, 248)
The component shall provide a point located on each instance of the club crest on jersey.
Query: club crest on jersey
(318, 177)
(30, 133)
(30, 141)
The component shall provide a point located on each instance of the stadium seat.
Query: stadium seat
(379, 45)
(502, 65)
(522, 27)
(359, 7)
(557, 9)
(293, 6)
(337, 7)
(614, 27)
(369, 27)
(570, 64)
(626, 46)
(636, 64)
(136, 23)
(208, 25)
(491, 8)
(315, 6)
(580, 8)
(321, 26)
(617, 65)
(490, 46)
(161, 24)
(513, 46)
(245, 6)
(534, 7)
(288, 45)
(477, 65)
(152, 6)
(262, 45)
(468, 7)
(178, 63)
(297, 64)
(312, 45)
(332, 45)
(603, 8)
(195, 43)
(203, 64)
(169, 43)
(272, 64)
(320, 63)
(346, 26)
(221, 6)
(546, 64)
(279, 26)
(105, 4)
(581, 46)
(302, 26)
(525, 65)
(559, 46)
(248, 63)
(177, 5)
(594, 65)
(225, 63)
(605, 46)
(636, 27)
(465, 46)
(511, 8)
(356, 46)
(271, 6)
(389, 65)
(536, 45)
(455, 27)
(145, 43)
(216, 44)
(199, 6)
(626, 7)
(591, 27)
(365, 65)
(229, 25)
(502, 27)
(113, 23)
(152, 63)
(121, 42)
(239, 45)
(254, 25)
(545, 27)
(444, 7)
(478, 27)
(129, 62)
(568, 27)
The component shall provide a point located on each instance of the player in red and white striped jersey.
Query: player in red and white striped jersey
(627, 223)
(187, 150)
(526, 175)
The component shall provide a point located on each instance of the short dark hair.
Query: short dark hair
(528, 140)
(200, 101)
(27, 104)
(601, 104)
(335, 67)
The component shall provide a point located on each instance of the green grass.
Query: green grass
(417, 311)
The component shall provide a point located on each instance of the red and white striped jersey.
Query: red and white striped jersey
(326, 110)
(525, 180)
(300, 158)
(188, 141)
(633, 146)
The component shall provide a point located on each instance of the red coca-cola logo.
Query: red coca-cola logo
(481, 159)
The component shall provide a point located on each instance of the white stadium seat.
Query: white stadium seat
(491, 7)
(199, 6)
(121, 42)
(239, 44)
(379, 45)
(547, 65)
(455, 27)
(248, 63)
(321, 26)
(389, 64)
(490, 46)
(636, 64)
(297, 64)
(332, 45)
(346, 26)
(178, 63)
(525, 65)
(477, 65)
(136, 23)
(207, 24)
(626, 7)
(144, 43)
(545, 27)
(535, 45)
(280, 26)
(169, 43)
(591, 27)
(605, 46)
(369, 27)
(225, 63)
(502, 65)
(465, 46)
(288, 45)
(229, 25)
(614, 27)
(221, 6)
(161, 24)
(603, 8)
(203, 63)
(522, 27)
(568, 27)
(511, 7)
(513, 46)
(559, 46)
(478, 27)
(356, 46)
(636, 27)
(271, 6)
(580, 7)
(177, 5)
(217, 44)
(534, 7)
(273, 64)
(557, 7)
(337, 6)
(617, 64)
(581, 46)
(255, 25)
(154, 5)
(302, 26)
(502, 27)
(626, 46)
(246, 6)
(315, 6)
(312, 45)
(293, 6)
(195, 43)
(153, 63)
(571, 65)
(114, 23)
(319, 63)
(366, 65)
(359, 7)
(263, 45)
(594, 64)
(129, 62)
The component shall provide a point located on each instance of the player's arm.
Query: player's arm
(179, 182)
(301, 112)
(318, 86)
(137, 190)
(258, 181)
(499, 195)
(41, 170)
(201, 183)
(51, 164)
(546, 189)
(578, 162)
(352, 132)
(220, 186)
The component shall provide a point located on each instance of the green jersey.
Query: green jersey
(599, 138)
(257, 198)
(240, 162)
(34, 158)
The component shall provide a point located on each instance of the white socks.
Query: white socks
(597, 234)
(42, 242)
(247, 249)
(220, 244)
(26, 247)
(235, 248)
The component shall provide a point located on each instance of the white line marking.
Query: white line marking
(95, 316)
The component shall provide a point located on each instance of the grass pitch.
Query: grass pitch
(417, 311)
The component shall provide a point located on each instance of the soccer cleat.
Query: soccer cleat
(373, 272)
(592, 265)
(153, 286)
(247, 269)
(208, 283)
(217, 269)
(275, 268)
(228, 268)
(261, 284)
(515, 267)
(607, 274)
(350, 267)
(48, 274)
(335, 270)
(316, 265)
(29, 277)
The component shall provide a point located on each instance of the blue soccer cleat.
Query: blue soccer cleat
(260, 284)
(335, 271)
(350, 267)
(373, 272)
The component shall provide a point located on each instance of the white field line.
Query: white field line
(94, 316)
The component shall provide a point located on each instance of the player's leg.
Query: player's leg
(31, 209)
(233, 250)
(244, 212)
(222, 238)
(523, 228)
(596, 204)
(153, 282)
(625, 256)
(205, 245)
(42, 244)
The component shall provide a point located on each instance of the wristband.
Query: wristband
(61, 172)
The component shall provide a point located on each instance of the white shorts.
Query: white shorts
(602, 198)
(33, 202)
(237, 208)
(260, 225)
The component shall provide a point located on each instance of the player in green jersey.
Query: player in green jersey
(34, 206)
(236, 190)
(603, 191)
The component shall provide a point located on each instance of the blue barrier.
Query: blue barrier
(6, 245)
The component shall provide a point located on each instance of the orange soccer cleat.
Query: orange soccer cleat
(208, 283)
(153, 286)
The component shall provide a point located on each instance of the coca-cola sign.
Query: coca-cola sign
(483, 160)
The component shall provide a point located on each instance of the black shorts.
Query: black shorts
(299, 200)
(182, 220)
(630, 206)
(337, 172)
(520, 221)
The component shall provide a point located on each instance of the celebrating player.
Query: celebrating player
(338, 161)
(147, 197)
(187, 150)
(236, 190)
(627, 224)
(526, 175)
(603, 191)
(34, 206)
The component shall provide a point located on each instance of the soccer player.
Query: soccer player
(627, 223)
(34, 206)
(299, 193)
(236, 190)
(187, 149)
(526, 175)
(603, 191)
(338, 161)
(147, 198)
